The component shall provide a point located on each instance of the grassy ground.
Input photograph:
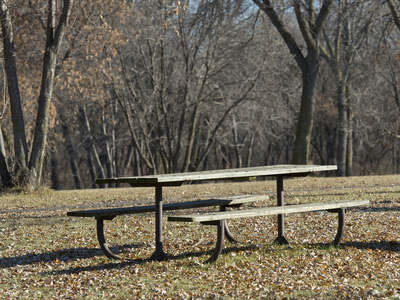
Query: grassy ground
(46, 255)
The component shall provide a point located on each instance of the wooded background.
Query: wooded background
(145, 87)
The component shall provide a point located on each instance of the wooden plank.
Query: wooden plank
(225, 174)
(111, 211)
(241, 199)
(288, 209)
(169, 206)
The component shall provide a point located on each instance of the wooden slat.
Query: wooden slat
(227, 174)
(169, 206)
(288, 209)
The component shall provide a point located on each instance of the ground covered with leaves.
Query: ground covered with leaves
(46, 255)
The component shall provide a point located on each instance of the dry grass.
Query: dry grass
(46, 255)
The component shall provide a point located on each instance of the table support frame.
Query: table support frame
(281, 239)
(159, 254)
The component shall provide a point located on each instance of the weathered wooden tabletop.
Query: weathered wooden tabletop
(224, 174)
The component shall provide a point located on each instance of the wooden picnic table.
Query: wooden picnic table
(178, 179)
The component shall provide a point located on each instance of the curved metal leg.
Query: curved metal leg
(339, 234)
(228, 233)
(220, 241)
(102, 240)
(281, 240)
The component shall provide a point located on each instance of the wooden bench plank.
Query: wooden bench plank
(248, 213)
(228, 201)
(219, 218)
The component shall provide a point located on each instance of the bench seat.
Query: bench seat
(110, 213)
(266, 211)
(113, 212)
(219, 218)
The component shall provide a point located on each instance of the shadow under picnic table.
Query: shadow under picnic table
(116, 264)
(226, 250)
(62, 255)
(393, 246)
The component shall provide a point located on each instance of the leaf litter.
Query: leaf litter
(46, 255)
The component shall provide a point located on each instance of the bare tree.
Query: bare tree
(343, 39)
(182, 77)
(310, 23)
(28, 167)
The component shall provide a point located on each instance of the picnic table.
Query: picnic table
(178, 179)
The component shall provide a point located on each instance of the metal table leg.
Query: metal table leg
(221, 225)
(281, 226)
(102, 239)
(339, 235)
(159, 254)
(228, 233)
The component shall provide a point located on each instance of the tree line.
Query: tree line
(119, 88)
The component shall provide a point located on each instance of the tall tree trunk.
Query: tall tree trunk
(349, 156)
(196, 147)
(42, 119)
(310, 25)
(72, 157)
(55, 35)
(110, 147)
(29, 174)
(92, 146)
(250, 151)
(238, 146)
(305, 123)
(92, 168)
(4, 172)
(342, 128)
(10, 65)
(191, 139)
